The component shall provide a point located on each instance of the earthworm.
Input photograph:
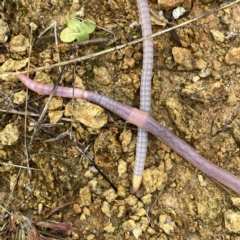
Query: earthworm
(146, 122)
(145, 91)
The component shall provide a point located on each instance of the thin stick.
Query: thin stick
(26, 107)
(54, 26)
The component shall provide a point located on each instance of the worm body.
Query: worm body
(144, 121)
(145, 91)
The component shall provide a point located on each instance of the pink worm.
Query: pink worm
(145, 91)
(143, 120)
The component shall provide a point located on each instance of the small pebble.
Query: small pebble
(9, 135)
(85, 196)
(19, 44)
(233, 56)
(167, 224)
(232, 221)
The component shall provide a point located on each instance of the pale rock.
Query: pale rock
(137, 231)
(3, 154)
(208, 208)
(167, 224)
(168, 162)
(19, 97)
(154, 179)
(201, 180)
(144, 223)
(13, 65)
(157, 18)
(195, 78)
(147, 199)
(77, 208)
(85, 198)
(109, 228)
(42, 77)
(110, 195)
(236, 201)
(106, 209)
(128, 51)
(122, 167)
(82, 217)
(33, 26)
(135, 218)
(140, 212)
(126, 138)
(55, 103)
(93, 185)
(217, 35)
(183, 57)
(13, 181)
(121, 211)
(232, 221)
(89, 114)
(205, 73)
(9, 135)
(216, 75)
(131, 200)
(122, 191)
(140, 204)
(89, 174)
(200, 64)
(55, 116)
(178, 12)
(78, 83)
(233, 56)
(217, 65)
(234, 20)
(86, 211)
(19, 44)
(129, 225)
(152, 231)
(128, 62)
(90, 237)
(102, 75)
(2, 58)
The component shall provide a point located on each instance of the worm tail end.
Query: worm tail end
(136, 182)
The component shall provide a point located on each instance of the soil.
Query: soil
(195, 93)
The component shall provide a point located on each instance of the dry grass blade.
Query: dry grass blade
(35, 235)
(59, 208)
(58, 226)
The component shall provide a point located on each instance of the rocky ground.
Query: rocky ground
(195, 93)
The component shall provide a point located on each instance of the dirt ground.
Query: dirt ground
(195, 93)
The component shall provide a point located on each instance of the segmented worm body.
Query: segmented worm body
(143, 120)
(145, 91)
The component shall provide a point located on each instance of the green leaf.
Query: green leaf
(77, 30)
(89, 25)
(68, 35)
(75, 24)
(82, 37)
